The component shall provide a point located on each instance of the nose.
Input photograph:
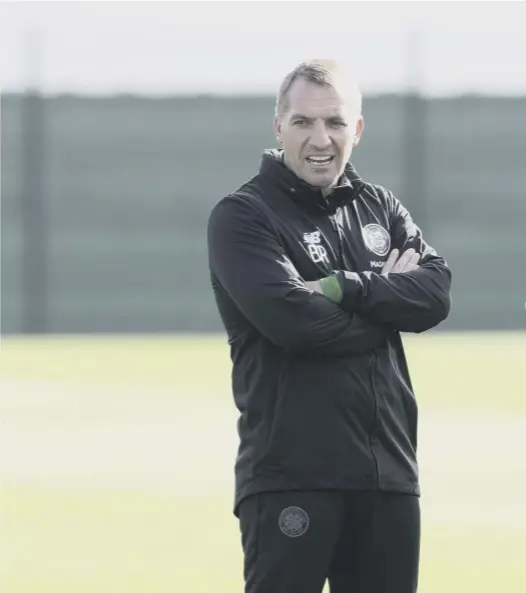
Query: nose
(320, 139)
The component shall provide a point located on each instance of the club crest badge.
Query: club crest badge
(377, 239)
(293, 521)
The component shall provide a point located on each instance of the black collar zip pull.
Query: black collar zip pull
(277, 174)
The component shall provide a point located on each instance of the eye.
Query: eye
(299, 122)
(338, 123)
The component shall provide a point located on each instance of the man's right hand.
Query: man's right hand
(408, 261)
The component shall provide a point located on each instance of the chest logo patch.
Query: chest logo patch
(317, 252)
(377, 239)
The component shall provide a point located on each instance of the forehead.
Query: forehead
(316, 100)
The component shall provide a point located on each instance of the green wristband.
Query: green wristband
(331, 288)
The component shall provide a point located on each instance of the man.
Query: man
(315, 274)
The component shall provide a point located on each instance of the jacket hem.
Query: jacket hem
(260, 486)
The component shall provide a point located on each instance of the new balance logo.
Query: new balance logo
(314, 237)
(317, 252)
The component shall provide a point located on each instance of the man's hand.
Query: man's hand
(408, 261)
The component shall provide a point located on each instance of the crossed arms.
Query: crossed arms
(247, 262)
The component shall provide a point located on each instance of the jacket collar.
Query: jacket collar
(274, 171)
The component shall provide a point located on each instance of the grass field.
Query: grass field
(117, 458)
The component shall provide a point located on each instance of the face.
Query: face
(318, 131)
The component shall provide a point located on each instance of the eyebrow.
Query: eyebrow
(310, 119)
(298, 116)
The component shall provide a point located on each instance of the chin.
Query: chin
(323, 182)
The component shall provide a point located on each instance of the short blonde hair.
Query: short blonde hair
(322, 72)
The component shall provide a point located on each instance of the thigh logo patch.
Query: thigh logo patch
(293, 521)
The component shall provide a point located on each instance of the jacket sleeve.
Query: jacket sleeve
(410, 301)
(248, 262)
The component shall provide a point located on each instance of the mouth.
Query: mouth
(320, 160)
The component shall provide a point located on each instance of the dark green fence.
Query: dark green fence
(105, 202)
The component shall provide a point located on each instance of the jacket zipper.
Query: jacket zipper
(336, 229)
(372, 365)
(372, 433)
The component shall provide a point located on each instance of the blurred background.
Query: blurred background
(122, 124)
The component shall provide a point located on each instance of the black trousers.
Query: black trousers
(361, 542)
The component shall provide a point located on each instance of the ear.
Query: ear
(277, 128)
(359, 130)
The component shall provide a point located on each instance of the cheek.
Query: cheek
(296, 149)
(291, 141)
(345, 144)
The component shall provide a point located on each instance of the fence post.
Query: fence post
(34, 203)
(415, 135)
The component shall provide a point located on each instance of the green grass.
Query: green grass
(481, 371)
(82, 541)
(87, 533)
(71, 541)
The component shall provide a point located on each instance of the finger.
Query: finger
(413, 263)
(391, 260)
(404, 260)
(408, 256)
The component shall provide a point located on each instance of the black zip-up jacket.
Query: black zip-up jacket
(323, 388)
